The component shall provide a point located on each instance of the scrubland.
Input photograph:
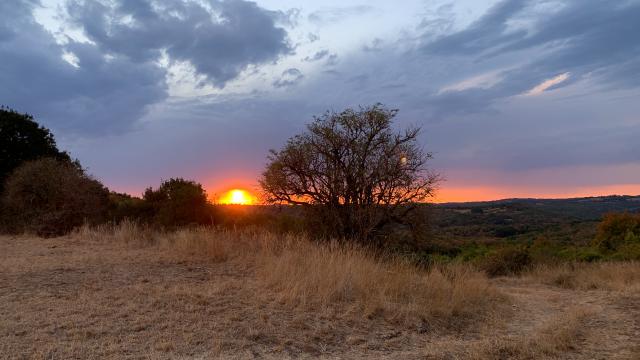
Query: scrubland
(128, 291)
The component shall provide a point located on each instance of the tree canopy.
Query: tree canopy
(22, 139)
(178, 202)
(353, 166)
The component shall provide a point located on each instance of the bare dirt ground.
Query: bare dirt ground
(65, 298)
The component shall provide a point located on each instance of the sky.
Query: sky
(515, 98)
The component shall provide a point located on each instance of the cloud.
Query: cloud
(482, 81)
(105, 83)
(98, 95)
(219, 41)
(547, 84)
(319, 55)
(312, 37)
(337, 14)
(330, 59)
(589, 41)
(488, 32)
(375, 45)
(289, 78)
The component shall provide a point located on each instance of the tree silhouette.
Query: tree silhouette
(178, 202)
(22, 139)
(353, 172)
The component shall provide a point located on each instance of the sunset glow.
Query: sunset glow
(489, 193)
(237, 197)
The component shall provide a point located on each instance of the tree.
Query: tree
(178, 202)
(617, 229)
(51, 197)
(353, 173)
(22, 139)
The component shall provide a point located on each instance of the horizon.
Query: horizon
(516, 98)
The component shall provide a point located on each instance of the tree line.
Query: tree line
(350, 175)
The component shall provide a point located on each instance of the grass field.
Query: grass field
(128, 292)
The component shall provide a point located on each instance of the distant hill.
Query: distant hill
(587, 208)
(525, 219)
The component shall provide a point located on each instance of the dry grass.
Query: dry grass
(321, 275)
(131, 292)
(305, 273)
(127, 232)
(613, 276)
(553, 340)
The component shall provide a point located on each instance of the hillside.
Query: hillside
(525, 219)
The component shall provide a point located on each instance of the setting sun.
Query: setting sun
(237, 197)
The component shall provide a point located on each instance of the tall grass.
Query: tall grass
(127, 232)
(305, 273)
(310, 274)
(613, 276)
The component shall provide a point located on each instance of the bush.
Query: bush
(51, 197)
(507, 261)
(178, 202)
(617, 229)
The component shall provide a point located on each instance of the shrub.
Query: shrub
(51, 197)
(617, 229)
(178, 202)
(630, 251)
(507, 261)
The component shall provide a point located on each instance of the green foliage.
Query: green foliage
(627, 252)
(617, 229)
(178, 202)
(22, 139)
(51, 197)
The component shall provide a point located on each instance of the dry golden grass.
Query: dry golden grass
(617, 276)
(127, 232)
(305, 273)
(321, 275)
(553, 340)
(132, 292)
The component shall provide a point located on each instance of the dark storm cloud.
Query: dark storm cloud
(595, 40)
(110, 83)
(96, 97)
(220, 40)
